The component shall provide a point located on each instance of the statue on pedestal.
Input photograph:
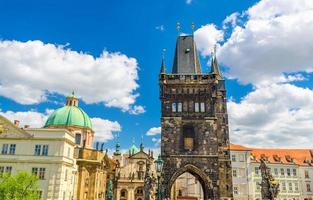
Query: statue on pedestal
(109, 193)
(148, 184)
(269, 186)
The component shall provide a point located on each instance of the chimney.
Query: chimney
(26, 126)
(16, 122)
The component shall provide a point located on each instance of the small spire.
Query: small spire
(178, 28)
(117, 146)
(141, 145)
(193, 27)
(214, 64)
(163, 67)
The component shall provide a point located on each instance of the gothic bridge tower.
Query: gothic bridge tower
(194, 122)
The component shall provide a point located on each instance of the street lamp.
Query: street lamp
(159, 167)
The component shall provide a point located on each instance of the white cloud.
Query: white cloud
(277, 115)
(103, 128)
(157, 141)
(231, 19)
(154, 131)
(276, 39)
(136, 110)
(206, 37)
(188, 2)
(30, 70)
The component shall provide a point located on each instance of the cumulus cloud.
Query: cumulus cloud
(136, 110)
(154, 131)
(206, 37)
(188, 1)
(31, 70)
(276, 39)
(103, 128)
(277, 115)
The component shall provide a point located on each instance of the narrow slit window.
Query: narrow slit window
(174, 107)
(196, 107)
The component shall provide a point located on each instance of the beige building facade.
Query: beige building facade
(46, 153)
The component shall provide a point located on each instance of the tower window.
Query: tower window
(179, 107)
(78, 137)
(174, 107)
(189, 137)
(202, 107)
(196, 107)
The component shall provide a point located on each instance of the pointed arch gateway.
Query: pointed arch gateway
(197, 173)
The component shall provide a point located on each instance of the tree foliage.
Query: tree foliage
(22, 186)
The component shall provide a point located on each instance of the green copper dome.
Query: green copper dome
(69, 115)
(133, 149)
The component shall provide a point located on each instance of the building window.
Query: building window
(308, 187)
(256, 170)
(12, 149)
(234, 173)
(290, 186)
(276, 171)
(294, 172)
(5, 148)
(233, 158)
(189, 136)
(296, 187)
(8, 170)
(78, 138)
(174, 107)
(283, 185)
(37, 150)
(179, 107)
(306, 174)
(202, 107)
(235, 190)
(35, 171)
(42, 173)
(45, 149)
(282, 171)
(1, 171)
(196, 107)
(40, 194)
(241, 158)
(288, 172)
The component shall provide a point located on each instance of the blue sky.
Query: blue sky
(140, 30)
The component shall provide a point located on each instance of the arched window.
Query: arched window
(123, 194)
(78, 138)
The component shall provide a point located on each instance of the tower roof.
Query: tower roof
(186, 60)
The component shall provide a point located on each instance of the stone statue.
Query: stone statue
(148, 184)
(269, 186)
(109, 193)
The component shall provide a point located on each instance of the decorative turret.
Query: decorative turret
(214, 65)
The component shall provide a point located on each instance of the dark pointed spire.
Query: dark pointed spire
(141, 145)
(215, 69)
(163, 67)
(186, 60)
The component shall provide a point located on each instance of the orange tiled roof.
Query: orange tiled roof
(303, 157)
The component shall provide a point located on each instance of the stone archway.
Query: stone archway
(196, 172)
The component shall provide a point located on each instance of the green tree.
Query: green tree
(22, 186)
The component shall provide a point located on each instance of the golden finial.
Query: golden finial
(178, 27)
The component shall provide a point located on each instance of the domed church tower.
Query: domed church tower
(74, 119)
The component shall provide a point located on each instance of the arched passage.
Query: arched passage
(199, 175)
